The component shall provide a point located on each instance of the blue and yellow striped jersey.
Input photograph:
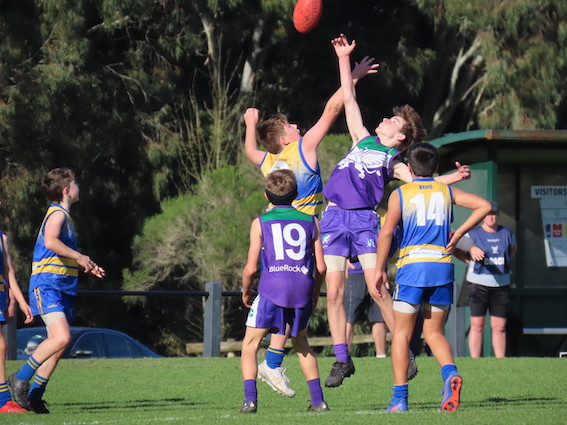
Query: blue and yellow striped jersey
(51, 269)
(427, 213)
(309, 184)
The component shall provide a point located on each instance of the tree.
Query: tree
(496, 64)
(199, 237)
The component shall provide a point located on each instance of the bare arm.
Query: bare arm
(251, 263)
(320, 267)
(14, 291)
(250, 143)
(52, 242)
(463, 173)
(352, 111)
(480, 206)
(312, 139)
(384, 244)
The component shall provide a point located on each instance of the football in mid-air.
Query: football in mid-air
(306, 14)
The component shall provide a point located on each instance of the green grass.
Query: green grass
(209, 391)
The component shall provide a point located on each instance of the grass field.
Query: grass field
(209, 391)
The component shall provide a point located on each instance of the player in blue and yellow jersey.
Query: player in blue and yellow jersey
(292, 274)
(53, 287)
(286, 149)
(424, 210)
(10, 293)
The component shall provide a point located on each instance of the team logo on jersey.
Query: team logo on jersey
(365, 161)
(325, 239)
(370, 243)
(494, 249)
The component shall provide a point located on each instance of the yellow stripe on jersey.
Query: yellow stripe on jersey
(57, 265)
(423, 254)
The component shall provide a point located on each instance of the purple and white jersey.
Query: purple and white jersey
(287, 257)
(359, 179)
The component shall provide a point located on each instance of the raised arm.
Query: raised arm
(250, 143)
(352, 111)
(333, 107)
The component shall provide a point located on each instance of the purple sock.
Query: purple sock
(315, 391)
(341, 352)
(250, 391)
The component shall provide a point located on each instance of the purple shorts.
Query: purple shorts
(266, 315)
(348, 233)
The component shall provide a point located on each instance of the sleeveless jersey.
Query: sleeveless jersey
(309, 185)
(359, 179)
(2, 282)
(494, 269)
(427, 213)
(287, 256)
(50, 269)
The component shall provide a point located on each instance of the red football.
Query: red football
(306, 14)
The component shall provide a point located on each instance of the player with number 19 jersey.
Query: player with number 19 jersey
(427, 213)
(287, 239)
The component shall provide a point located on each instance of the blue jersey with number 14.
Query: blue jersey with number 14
(427, 213)
(287, 255)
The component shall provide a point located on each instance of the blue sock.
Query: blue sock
(250, 391)
(448, 370)
(315, 392)
(274, 357)
(37, 387)
(5, 395)
(28, 369)
(400, 392)
(341, 352)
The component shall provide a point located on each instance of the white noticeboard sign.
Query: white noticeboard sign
(553, 204)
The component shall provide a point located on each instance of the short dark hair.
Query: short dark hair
(270, 131)
(55, 181)
(423, 158)
(413, 128)
(281, 187)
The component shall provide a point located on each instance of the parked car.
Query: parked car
(86, 343)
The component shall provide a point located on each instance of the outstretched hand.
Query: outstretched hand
(342, 47)
(364, 67)
(463, 170)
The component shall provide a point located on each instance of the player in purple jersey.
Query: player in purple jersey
(286, 149)
(423, 209)
(293, 271)
(356, 185)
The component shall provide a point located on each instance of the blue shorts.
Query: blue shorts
(434, 295)
(266, 315)
(348, 233)
(46, 299)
